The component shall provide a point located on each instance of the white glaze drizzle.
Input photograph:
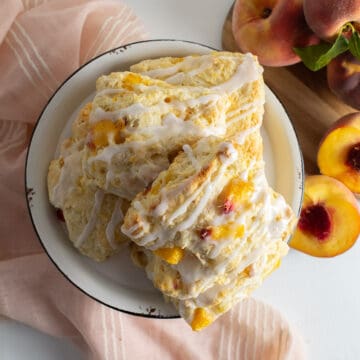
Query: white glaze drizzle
(208, 186)
(166, 194)
(189, 153)
(187, 223)
(244, 107)
(109, 91)
(116, 217)
(172, 126)
(206, 297)
(163, 205)
(89, 227)
(247, 72)
(162, 233)
(210, 99)
(135, 109)
(69, 175)
(242, 115)
(178, 78)
(242, 136)
(171, 72)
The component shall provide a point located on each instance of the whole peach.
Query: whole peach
(343, 76)
(271, 29)
(352, 120)
(326, 17)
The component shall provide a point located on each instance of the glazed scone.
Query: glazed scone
(237, 75)
(149, 120)
(92, 218)
(159, 216)
(207, 215)
(138, 124)
(224, 243)
(204, 309)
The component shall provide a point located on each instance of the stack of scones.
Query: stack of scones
(168, 158)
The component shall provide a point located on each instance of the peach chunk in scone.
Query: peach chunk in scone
(329, 222)
(339, 151)
(103, 133)
(234, 193)
(171, 255)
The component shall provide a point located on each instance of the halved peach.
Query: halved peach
(329, 222)
(339, 151)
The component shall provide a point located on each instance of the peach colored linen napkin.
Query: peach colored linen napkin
(41, 43)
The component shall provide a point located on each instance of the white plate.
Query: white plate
(117, 282)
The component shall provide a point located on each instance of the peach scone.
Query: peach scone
(92, 217)
(151, 119)
(211, 226)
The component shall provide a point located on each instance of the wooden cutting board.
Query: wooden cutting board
(311, 106)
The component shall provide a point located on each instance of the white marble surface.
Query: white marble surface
(195, 20)
(19, 342)
(321, 297)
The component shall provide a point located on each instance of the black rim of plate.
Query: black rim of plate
(122, 49)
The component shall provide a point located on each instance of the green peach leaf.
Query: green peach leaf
(317, 56)
(354, 45)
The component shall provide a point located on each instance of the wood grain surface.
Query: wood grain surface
(311, 106)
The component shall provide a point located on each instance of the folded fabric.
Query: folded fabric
(41, 43)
